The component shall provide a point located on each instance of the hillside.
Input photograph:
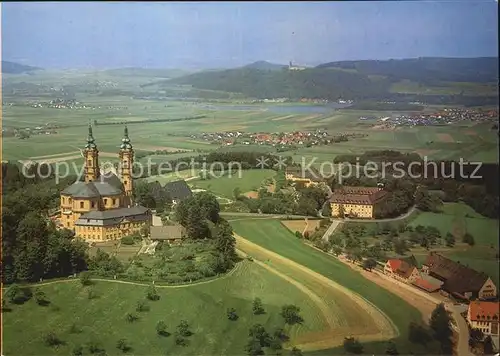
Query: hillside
(16, 68)
(264, 65)
(309, 83)
(426, 70)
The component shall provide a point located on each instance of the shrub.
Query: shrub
(41, 298)
(85, 279)
(183, 328)
(123, 345)
(95, 348)
(231, 314)
(127, 240)
(142, 306)
(18, 295)
(257, 307)
(51, 339)
(131, 317)
(77, 351)
(152, 294)
(291, 314)
(161, 329)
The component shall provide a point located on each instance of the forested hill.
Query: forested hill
(308, 83)
(16, 68)
(426, 70)
(264, 65)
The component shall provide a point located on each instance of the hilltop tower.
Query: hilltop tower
(126, 163)
(91, 156)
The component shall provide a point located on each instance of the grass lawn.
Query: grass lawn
(225, 185)
(204, 306)
(272, 235)
(458, 218)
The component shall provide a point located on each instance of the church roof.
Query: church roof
(113, 216)
(106, 185)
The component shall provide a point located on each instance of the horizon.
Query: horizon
(229, 35)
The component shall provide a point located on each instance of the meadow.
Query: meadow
(458, 219)
(273, 236)
(102, 319)
(245, 181)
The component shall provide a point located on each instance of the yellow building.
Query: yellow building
(306, 177)
(100, 206)
(356, 202)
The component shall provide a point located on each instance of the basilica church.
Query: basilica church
(99, 206)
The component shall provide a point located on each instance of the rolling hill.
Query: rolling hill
(309, 83)
(16, 68)
(264, 65)
(147, 72)
(426, 70)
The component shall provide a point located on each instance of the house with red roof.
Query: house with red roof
(484, 316)
(404, 269)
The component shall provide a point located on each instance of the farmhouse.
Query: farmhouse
(168, 233)
(178, 191)
(484, 316)
(101, 207)
(458, 280)
(404, 270)
(360, 202)
(306, 177)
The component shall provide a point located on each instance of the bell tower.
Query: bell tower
(126, 163)
(91, 156)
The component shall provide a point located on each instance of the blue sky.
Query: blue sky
(203, 35)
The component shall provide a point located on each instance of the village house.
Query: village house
(306, 177)
(178, 191)
(359, 202)
(404, 269)
(459, 280)
(484, 316)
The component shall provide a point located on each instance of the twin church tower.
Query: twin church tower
(100, 207)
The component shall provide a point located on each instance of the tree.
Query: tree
(131, 317)
(475, 337)
(391, 349)
(418, 334)
(337, 250)
(450, 240)
(352, 345)
(468, 239)
(161, 329)
(40, 297)
(236, 193)
(258, 332)
(440, 323)
(18, 295)
(141, 306)
(253, 347)
(51, 339)
(258, 307)
(341, 211)
(123, 345)
(85, 278)
(369, 264)
(326, 210)
(231, 314)
(488, 347)
(291, 314)
(183, 329)
(152, 294)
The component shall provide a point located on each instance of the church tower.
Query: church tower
(91, 156)
(126, 163)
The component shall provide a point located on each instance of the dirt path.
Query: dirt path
(382, 328)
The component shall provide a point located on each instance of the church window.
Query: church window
(124, 182)
(105, 201)
(90, 162)
(93, 204)
(81, 205)
(114, 201)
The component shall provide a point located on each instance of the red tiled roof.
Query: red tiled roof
(484, 310)
(357, 195)
(395, 264)
(426, 285)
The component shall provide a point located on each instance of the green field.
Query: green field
(409, 87)
(459, 218)
(224, 186)
(271, 235)
(473, 142)
(204, 306)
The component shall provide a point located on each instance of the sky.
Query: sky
(228, 34)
